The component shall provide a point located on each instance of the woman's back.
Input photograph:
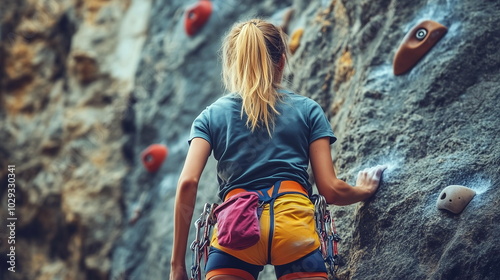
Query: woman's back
(256, 160)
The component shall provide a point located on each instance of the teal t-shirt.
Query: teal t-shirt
(254, 160)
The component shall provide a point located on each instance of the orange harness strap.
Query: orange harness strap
(286, 186)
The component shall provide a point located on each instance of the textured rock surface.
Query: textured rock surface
(87, 85)
(67, 70)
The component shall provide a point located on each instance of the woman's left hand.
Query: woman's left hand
(178, 273)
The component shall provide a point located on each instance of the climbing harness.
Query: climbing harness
(327, 234)
(324, 226)
(199, 246)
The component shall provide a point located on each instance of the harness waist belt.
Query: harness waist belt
(284, 187)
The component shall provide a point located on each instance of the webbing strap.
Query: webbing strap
(276, 190)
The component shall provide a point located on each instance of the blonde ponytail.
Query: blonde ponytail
(252, 52)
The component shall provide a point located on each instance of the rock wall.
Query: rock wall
(67, 72)
(86, 85)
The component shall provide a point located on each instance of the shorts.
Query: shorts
(288, 240)
(221, 263)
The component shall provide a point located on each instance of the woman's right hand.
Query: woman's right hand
(370, 177)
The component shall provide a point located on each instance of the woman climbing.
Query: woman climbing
(263, 138)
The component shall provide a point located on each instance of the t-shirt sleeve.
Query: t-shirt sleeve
(319, 124)
(200, 127)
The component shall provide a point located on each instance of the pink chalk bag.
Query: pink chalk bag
(238, 222)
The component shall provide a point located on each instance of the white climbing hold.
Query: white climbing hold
(455, 198)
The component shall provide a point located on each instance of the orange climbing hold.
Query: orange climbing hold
(416, 44)
(153, 157)
(196, 16)
(295, 40)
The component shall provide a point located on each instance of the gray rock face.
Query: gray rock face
(86, 86)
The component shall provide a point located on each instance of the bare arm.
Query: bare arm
(185, 199)
(333, 189)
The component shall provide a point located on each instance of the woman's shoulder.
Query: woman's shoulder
(224, 104)
(297, 99)
(226, 100)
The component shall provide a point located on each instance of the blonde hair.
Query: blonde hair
(251, 53)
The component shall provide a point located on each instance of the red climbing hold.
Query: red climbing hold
(153, 156)
(416, 44)
(196, 16)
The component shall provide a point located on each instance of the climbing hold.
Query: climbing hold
(295, 40)
(416, 44)
(454, 198)
(196, 16)
(153, 156)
